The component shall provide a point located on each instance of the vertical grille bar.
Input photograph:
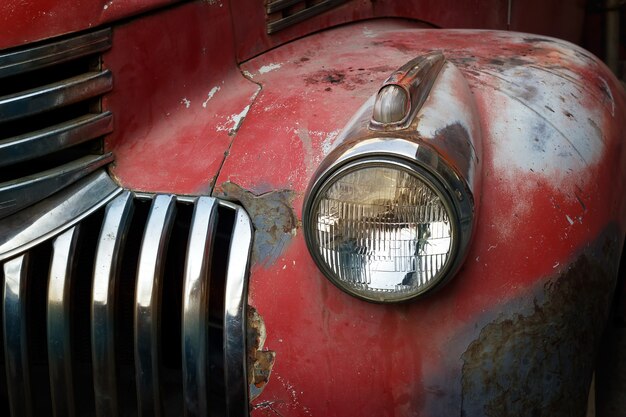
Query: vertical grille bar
(117, 219)
(195, 306)
(148, 303)
(235, 322)
(15, 339)
(58, 323)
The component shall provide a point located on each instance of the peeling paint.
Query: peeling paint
(260, 360)
(269, 67)
(538, 363)
(274, 219)
(210, 95)
(187, 103)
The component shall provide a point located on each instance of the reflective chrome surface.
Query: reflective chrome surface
(55, 95)
(16, 337)
(17, 194)
(39, 222)
(46, 141)
(305, 13)
(443, 138)
(59, 318)
(235, 367)
(195, 306)
(148, 304)
(115, 226)
(30, 59)
(393, 110)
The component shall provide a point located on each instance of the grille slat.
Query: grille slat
(15, 336)
(291, 19)
(58, 322)
(168, 275)
(47, 141)
(148, 304)
(52, 96)
(17, 194)
(115, 226)
(43, 56)
(235, 377)
(195, 306)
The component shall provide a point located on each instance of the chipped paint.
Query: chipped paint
(234, 121)
(273, 216)
(269, 67)
(210, 95)
(185, 102)
(260, 360)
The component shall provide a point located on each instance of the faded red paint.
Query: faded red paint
(175, 97)
(554, 18)
(347, 357)
(27, 21)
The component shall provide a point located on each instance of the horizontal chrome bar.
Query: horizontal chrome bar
(235, 317)
(196, 287)
(278, 5)
(21, 61)
(117, 219)
(20, 193)
(52, 96)
(46, 141)
(148, 303)
(58, 317)
(16, 337)
(275, 26)
(33, 225)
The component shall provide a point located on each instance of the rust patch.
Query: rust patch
(274, 219)
(349, 80)
(541, 363)
(260, 361)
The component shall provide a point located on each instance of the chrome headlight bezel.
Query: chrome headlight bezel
(424, 175)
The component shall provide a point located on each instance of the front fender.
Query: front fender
(516, 331)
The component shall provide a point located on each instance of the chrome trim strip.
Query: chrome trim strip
(195, 306)
(235, 317)
(54, 53)
(15, 337)
(148, 303)
(278, 5)
(20, 193)
(117, 219)
(39, 222)
(273, 27)
(58, 318)
(46, 141)
(52, 96)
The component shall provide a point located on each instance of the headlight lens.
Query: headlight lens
(383, 231)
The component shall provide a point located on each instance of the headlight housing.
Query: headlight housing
(389, 214)
(383, 230)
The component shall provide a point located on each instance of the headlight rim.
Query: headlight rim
(413, 166)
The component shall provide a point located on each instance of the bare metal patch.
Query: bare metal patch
(272, 214)
(260, 361)
(541, 363)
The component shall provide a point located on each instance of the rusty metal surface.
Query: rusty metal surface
(260, 360)
(553, 182)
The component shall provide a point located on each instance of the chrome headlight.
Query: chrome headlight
(383, 230)
(389, 214)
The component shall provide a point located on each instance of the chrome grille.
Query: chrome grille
(134, 304)
(51, 124)
(284, 13)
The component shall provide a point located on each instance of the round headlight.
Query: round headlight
(382, 230)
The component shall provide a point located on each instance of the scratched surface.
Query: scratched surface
(553, 183)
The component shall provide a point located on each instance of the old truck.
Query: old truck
(307, 208)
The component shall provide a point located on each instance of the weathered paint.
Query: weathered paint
(539, 168)
(29, 21)
(178, 99)
(562, 19)
(260, 361)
